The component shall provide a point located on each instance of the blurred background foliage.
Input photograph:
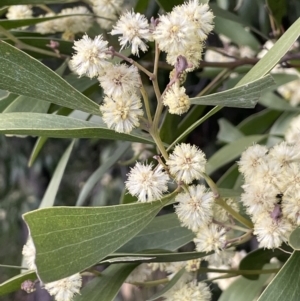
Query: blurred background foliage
(23, 187)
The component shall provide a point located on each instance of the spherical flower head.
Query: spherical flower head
(74, 24)
(284, 153)
(187, 163)
(90, 58)
(65, 289)
(291, 205)
(106, 18)
(139, 274)
(271, 233)
(141, 151)
(192, 54)
(120, 80)
(292, 134)
(193, 265)
(195, 207)
(16, 12)
(210, 238)
(47, 26)
(176, 99)
(174, 33)
(133, 28)
(198, 13)
(122, 113)
(108, 6)
(251, 158)
(146, 183)
(191, 291)
(29, 254)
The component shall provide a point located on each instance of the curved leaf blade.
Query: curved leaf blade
(294, 239)
(24, 75)
(69, 240)
(56, 126)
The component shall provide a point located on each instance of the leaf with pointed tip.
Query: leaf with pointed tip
(14, 283)
(245, 96)
(69, 240)
(56, 126)
(50, 194)
(24, 75)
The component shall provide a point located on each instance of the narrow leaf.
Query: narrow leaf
(106, 286)
(274, 55)
(285, 285)
(96, 176)
(227, 131)
(50, 194)
(56, 126)
(24, 75)
(245, 96)
(230, 152)
(69, 240)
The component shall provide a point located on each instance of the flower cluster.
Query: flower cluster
(62, 290)
(271, 191)
(71, 21)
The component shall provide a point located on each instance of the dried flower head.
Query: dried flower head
(176, 99)
(120, 80)
(147, 184)
(195, 207)
(122, 113)
(65, 289)
(90, 58)
(134, 30)
(187, 163)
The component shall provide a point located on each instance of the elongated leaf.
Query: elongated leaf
(169, 286)
(229, 178)
(69, 240)
(55, 126)
(245, 96)
(50, 194)
(5, 102)
(3, 94)
(294, 239)
(227, 131)
(272, 101)
(256, 259)
(230, 152)
(285, 285)
(23, 75)
(27, 104)
(244, 289)
(95, 177)
(163, 232)
(106, 286)
(14, 283)
(236, 32)
(258, 123)
(273, 56)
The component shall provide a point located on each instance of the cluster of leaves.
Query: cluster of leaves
(68, 240)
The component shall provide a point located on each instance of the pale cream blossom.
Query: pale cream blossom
(177, 100)
(108, 6)
(146, 183)
(175, 33)
(47, 26)
(105, 18)
(291, 204)
(16, 12)
(29, 253)
(292, 134)
(122, 113)
(220, 214)
(210, 238)
(134, 30)
(140, 274)
(142, 150)
(90, 57)
(65, 289)
(194, 207)
(119, 80)
(187, 163)
(199, 14)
